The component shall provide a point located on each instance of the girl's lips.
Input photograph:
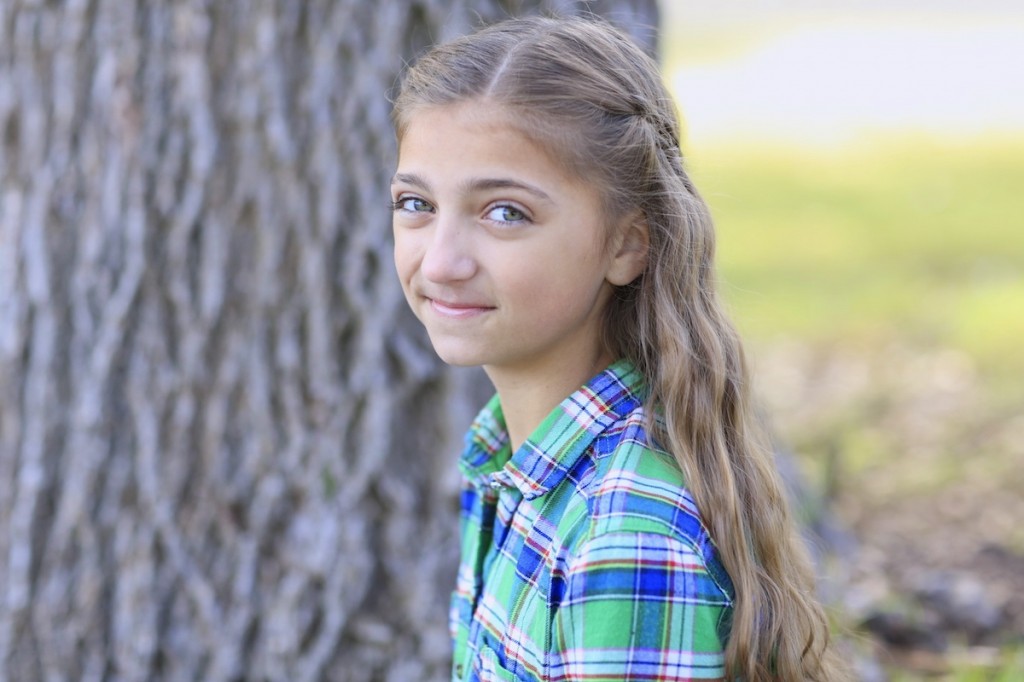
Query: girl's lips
(458, 310)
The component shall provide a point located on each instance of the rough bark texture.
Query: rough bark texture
(226, 450)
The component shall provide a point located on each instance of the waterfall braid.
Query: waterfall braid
(584, 90)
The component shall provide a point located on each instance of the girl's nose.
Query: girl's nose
(448, 256)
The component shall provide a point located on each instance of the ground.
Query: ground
(922, 465)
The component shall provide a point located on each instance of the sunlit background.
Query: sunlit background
(864, 162)
(829, 77)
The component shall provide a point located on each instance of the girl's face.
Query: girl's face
(506, 259)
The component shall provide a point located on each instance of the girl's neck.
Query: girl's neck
(528, 396)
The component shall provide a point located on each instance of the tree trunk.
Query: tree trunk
(226, 449)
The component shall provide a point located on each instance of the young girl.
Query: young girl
(621, 516)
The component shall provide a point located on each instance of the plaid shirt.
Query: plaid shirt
(583, 556)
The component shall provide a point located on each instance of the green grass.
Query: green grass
(894, 238)
(1004, 666)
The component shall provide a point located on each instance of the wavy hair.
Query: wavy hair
(584, 89)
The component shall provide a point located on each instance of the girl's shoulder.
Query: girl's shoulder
(637, 493)
(637, 485)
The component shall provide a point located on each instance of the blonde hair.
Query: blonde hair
(586, 90)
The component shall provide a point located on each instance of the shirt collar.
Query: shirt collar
(552, 450)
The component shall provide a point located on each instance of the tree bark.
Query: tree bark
(226, 449)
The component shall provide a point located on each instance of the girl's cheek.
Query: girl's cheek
(404, 253)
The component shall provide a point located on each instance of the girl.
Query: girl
(621, 517)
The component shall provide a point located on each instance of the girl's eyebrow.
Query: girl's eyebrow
(476, 185)
(506, 183)
(410, 179)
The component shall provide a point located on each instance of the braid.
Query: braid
(700, 409)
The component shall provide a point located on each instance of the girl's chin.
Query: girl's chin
(459, 357)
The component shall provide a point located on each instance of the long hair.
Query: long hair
(585, 90)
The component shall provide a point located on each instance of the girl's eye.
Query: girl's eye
(507, 214)
(411, 205)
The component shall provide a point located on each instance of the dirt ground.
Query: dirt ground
(920, 460)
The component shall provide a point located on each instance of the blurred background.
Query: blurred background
(226, 446)
(865, 165)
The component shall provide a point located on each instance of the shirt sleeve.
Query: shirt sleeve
(640, 606)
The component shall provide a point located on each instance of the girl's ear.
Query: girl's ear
(631, 245)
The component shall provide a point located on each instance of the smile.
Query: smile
(458, 311)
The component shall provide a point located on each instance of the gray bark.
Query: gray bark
(226, 449)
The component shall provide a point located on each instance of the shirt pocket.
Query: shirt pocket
(488, 668)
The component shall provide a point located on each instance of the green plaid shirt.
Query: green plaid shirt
(583, 556)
